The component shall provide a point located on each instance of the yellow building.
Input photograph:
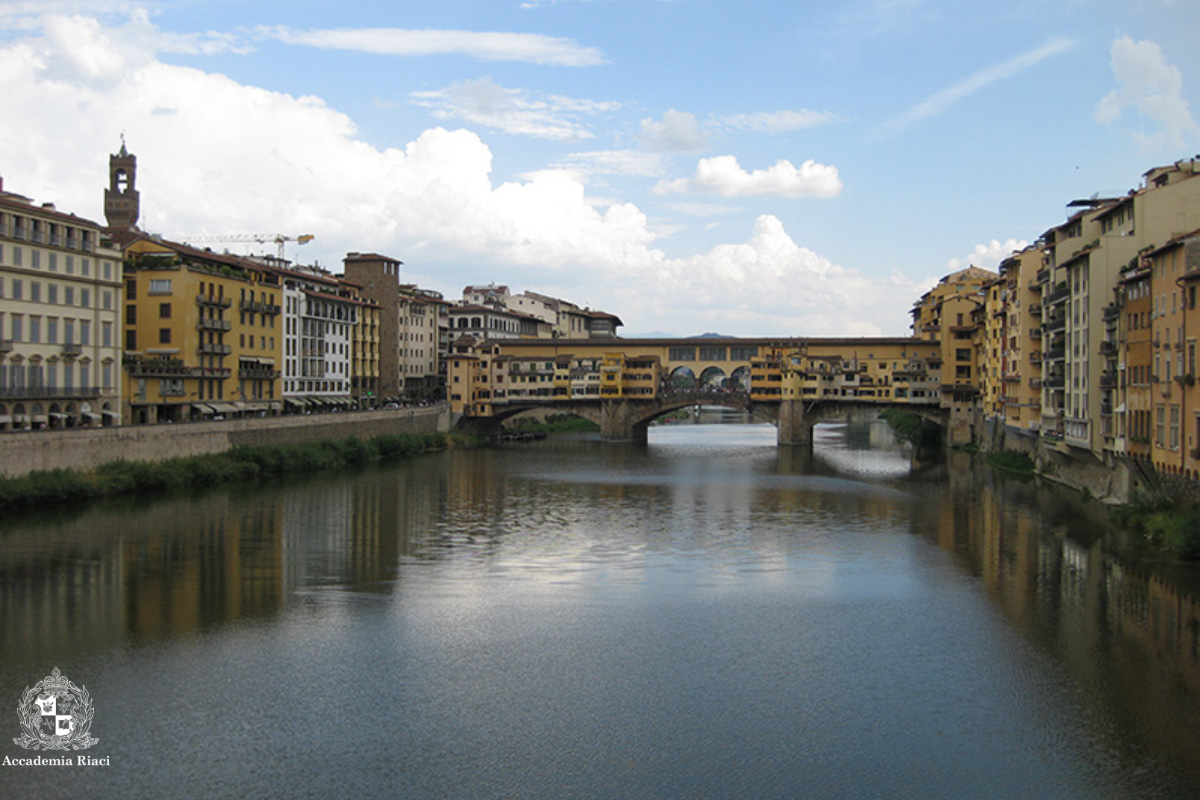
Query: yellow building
(60, 347)
(202, 333)
(1021, 345)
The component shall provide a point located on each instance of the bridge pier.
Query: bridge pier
(792, 427)
(622, 421)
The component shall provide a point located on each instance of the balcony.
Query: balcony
(1108, 381)
(1111, 312)
(1036, 333)
(47, 392)
(258, 373)
(1043, 276)
(259, 307)
(72, 350)
(1058, 295)
(210, 324)
(1056, 353)
(6, 345)
(1108, 348)
(1055, 382)
(1056, 324)
(206, 349)
(216, 302)
(1036, 309)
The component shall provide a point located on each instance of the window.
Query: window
(18, 292)
(18, 325)
(85, 332)
(161, 286)
(35, 291)
(131, 290)
(51, 330)
(53, 262)
(164, 335)
(164, 310)
(35, 329)
(85, 298)
(131, 340)
(35, 258)
(52, 293)
(130, 315)
(69, 295)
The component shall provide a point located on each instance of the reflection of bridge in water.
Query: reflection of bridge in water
(624, 384)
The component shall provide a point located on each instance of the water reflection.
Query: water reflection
(609, 587)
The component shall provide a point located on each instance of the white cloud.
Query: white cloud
(769, 285)
(776, 121)
(218, 157)
(617, 162)
(1152, 87)
(939, 102)
(489, 46)
(514, 111)
(987, 255)
(677, 132)
(724, 176)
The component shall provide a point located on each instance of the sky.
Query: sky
(751, 168)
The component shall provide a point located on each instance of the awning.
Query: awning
(93, 417)
(224, 408)
(57, 415)
(1121, 409)
(109, 413)
(200, 408)
(5, 419)
(293, 402)
(38, 417)
(256, 406)
(274, 406)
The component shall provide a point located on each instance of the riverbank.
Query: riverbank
(23, 452)
(53, 489)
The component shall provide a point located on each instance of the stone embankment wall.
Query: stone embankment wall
(83, 448)
(1113, 481)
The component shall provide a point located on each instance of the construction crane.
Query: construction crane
(260, 238)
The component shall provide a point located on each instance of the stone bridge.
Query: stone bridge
(627, 419)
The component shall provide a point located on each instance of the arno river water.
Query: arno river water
(705, 616)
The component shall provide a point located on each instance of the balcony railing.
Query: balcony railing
(258, 374)
(1108, 381)
(6, 345)
(47, 392)
(1108, 348)
(207, 349)
(260, 307)
(218, 302)
(72, 350)
(209, 324)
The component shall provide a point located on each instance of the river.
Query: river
(703, 616)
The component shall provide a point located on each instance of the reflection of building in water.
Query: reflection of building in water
(1127, 632)
(59, 591)
(215, 562)
(172, 568)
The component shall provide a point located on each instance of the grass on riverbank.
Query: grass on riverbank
(1163, 523)
(1011, 461)
(63, 487)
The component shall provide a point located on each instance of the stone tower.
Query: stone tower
(121, 204)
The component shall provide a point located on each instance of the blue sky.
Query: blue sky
(753, 168)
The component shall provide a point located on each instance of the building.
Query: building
(320, 318)
(202, 333)
(60, 344)
(1021, 348)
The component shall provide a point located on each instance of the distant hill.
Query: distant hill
(661, 335)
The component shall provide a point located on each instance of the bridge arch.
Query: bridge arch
(713, 378)
(682, 378)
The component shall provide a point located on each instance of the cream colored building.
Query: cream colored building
(60, 324)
